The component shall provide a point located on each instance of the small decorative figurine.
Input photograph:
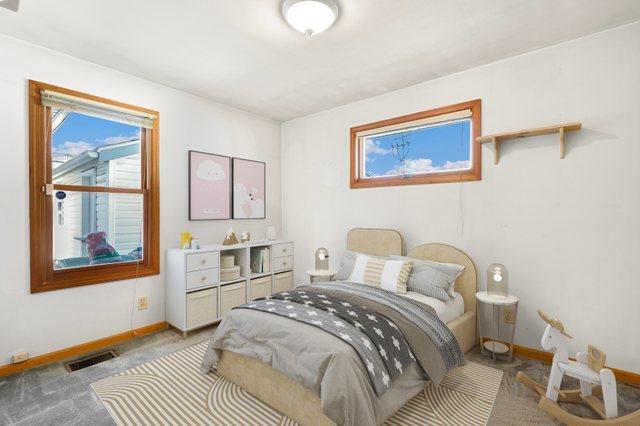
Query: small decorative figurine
(185, 241)
(195, 243)
(230, 238)
(271, 233)
(245, 237)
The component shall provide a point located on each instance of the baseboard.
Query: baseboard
(622, 376)
(81, 349)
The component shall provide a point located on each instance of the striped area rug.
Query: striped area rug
(171, 391)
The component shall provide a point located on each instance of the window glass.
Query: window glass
(93, 151)
(95, 228)
(443, 147)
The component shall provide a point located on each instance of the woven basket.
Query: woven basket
(228, 274)
(227, 261)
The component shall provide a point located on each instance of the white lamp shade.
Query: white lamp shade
(322, 259)
(310, 16)
(497, 279)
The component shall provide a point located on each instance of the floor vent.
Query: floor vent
(89, 361)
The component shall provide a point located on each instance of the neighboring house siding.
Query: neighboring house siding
(102, 199)
(119, 215)
(126, 209)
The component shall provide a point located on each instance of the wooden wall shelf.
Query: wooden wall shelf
(501, 137)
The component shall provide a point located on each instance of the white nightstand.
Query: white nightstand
(322, 274)
(498, 303)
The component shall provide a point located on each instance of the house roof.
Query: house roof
(99, 154)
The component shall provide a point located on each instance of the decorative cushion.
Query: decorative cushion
(432, 279)
(390, 275)
(346, 266)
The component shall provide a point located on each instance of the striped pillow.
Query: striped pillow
(390, 275)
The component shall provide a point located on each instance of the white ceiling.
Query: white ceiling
(242, 53)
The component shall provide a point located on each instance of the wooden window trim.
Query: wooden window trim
(43, 276)
(474, 173)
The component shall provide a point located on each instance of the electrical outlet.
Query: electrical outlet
(20, 357)
(509, 315)
(143, 303)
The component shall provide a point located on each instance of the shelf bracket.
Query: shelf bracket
(561, 132)
(496, 149)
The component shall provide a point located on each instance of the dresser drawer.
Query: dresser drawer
(260, 287)
(198, 261)
(282, 263)
(281, 250)
(282, 282)
(201, 278)
(232, 295)
(202, 307)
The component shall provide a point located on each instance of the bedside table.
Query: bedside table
(323, 274)
(498, 303)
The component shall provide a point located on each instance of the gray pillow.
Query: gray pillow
(347, 263)
(432, 279)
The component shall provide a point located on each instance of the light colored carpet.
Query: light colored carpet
(171, 390)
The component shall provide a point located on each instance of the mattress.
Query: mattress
(446, 311)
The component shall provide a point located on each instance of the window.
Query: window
(433, 146)
(94, 189)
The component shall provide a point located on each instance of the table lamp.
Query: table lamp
(322, 258)
(498, 280)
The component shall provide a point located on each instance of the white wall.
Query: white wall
(53, 320)
(568, 230)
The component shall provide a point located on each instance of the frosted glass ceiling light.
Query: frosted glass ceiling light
(310, 17)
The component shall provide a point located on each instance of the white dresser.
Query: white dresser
(195, 296)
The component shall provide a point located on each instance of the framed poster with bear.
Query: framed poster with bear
(249, 189)
(209, 186)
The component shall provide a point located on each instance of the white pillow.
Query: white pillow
(390, 275)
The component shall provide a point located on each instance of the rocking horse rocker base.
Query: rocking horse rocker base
(574, 396)
(595, 381)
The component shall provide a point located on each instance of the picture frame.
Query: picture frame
(249, 189)
(210, 180)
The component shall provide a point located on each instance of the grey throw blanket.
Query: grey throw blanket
(419, 316)
(430, 340)
(377, 340)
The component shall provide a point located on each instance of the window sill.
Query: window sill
(93, 275)
(453, 177)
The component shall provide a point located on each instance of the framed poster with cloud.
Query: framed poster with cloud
(249, 189)
(209, 186)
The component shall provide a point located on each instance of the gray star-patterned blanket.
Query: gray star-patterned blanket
(375, 338)
(379, 342)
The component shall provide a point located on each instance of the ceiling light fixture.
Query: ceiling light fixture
(310, 17)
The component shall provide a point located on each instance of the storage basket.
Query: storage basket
(227, 261)
(228, 274)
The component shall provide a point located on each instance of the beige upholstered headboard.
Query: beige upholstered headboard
(385, 242)
(467, 283)
(376, 242)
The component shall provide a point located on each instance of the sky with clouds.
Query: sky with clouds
(435, 148)
(80, 133)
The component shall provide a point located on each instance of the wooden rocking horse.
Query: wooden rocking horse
(595, 380)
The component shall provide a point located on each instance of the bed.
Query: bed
(261, 372)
